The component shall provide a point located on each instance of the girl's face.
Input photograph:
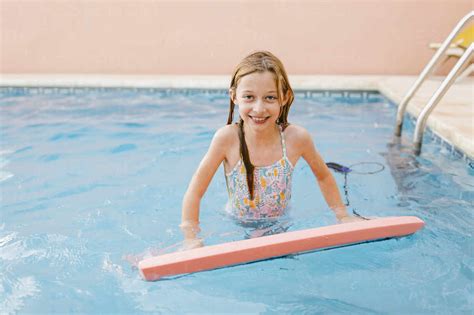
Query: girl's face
(257, 99)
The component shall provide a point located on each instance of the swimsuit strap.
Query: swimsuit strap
(283, 145)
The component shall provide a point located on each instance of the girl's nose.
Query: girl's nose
(258, 106)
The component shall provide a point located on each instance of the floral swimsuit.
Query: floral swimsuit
(272, 189)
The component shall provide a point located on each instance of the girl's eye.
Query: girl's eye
(271, 98)
(247, 97)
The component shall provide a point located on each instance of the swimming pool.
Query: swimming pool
(90, 175)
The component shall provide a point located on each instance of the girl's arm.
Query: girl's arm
(326, 181)
(199, 183)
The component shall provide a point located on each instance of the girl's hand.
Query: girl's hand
(349, 219)
(192, 243)
(190, 231)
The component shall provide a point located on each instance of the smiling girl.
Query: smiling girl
(259, 152)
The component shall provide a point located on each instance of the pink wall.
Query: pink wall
(210, 37)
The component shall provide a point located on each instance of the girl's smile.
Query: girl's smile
(259, 120)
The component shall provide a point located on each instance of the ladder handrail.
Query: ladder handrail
(445, 85)
(427, 70)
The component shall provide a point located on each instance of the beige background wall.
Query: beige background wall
(210, 37)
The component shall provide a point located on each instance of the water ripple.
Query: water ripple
(12, 248)
(123, 148)
(133, 125)
(77, 190)
(50, 157)
(65, 136)
(4, 175)
(59, 249)
(21, 289)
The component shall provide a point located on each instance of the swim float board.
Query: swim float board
(265, 247)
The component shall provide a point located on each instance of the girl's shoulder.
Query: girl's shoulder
(227, 134)
(226, 139)
(296, 134)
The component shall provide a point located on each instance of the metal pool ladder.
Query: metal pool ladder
(441, 91)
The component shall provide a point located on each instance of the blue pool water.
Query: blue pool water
(89, 176)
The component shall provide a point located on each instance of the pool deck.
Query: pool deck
(452, 120)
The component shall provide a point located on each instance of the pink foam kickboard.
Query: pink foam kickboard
(261, 248)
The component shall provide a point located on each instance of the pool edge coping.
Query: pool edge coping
(347, 82)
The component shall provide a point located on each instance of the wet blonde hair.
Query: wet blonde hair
(260, 61)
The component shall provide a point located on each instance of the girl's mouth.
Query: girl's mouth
(259, 120)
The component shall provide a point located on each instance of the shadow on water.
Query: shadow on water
(422, 179)
(403, 165)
